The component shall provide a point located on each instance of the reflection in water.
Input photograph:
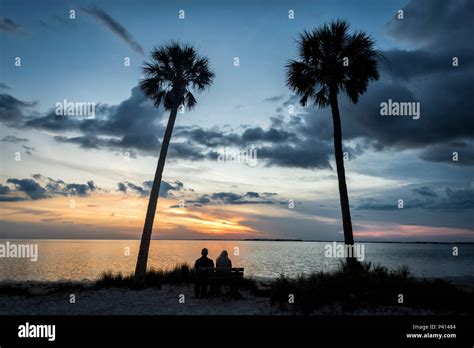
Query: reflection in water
(87, 259)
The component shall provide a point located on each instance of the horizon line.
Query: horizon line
(239, 240)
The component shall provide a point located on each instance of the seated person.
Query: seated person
(200, 287)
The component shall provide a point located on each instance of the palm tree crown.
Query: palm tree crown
(321, 67)
(173, 72)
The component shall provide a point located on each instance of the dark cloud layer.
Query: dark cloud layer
(13, 112)
(446, 153)
(134, 124)
(41, 187)
(427, 198)
(438, 24)
(231, 198)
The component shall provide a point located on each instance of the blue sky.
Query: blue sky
(86, 60)
(82, 59)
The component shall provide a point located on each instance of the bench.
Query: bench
(215, 277)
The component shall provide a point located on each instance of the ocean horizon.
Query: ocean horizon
(80, 260)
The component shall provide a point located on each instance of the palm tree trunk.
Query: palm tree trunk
(140, 269)
(341, 176)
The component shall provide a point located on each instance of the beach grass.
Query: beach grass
(181, 274)
(364, 285)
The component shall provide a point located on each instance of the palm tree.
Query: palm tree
(173, 73)
(331, 60)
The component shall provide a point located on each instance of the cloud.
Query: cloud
(42, 187)
(167, 189)
(281, 144)
(176, 189)
(7, 25)
(134, 116)
(273, 99)
(4, 189)
(14, 139)
(272, 135)
(134, 124)
(308, 154)
(142, 191)
(446, 153)
(446, 199)
(4, 86)
(13, 111)
(115, 27)
(30, 187)
(434, 23)
(28, 149)
(425, 191)
(423, 62)
(207, 137)
(231, 198)
(122, 187)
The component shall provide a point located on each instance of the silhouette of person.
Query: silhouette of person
(223, 261)
(201, 267)
(223, 264)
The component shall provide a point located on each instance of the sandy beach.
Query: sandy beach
(49, 299)
(165, 301)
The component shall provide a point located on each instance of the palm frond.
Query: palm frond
(174, 70)
(319, 67)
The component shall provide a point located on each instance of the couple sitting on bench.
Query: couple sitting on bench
(222, 274)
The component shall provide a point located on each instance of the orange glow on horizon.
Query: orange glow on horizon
(395, 231)
(127, 213)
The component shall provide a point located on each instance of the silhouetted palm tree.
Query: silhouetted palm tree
(173, 72)
(331, 60)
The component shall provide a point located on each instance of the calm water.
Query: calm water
(86, 259)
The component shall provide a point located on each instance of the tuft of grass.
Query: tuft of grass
(180, 274)
(110, 280)
(363, 284)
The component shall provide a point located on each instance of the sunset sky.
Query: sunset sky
(104, 164)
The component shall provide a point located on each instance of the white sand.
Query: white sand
(144, 302)
(47, 299)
